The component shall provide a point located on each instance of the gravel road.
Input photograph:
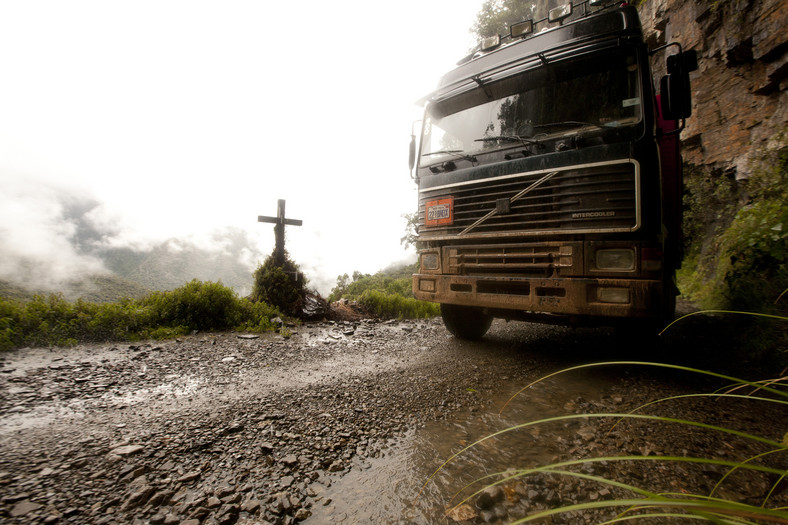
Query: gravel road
(234, 428)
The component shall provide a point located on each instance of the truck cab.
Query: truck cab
(547, 176)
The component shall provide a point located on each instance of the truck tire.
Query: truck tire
(465, 322)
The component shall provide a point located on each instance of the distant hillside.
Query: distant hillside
(228, 257)
(173, 263)
(95, 288)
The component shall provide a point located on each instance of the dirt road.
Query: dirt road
(341, 423)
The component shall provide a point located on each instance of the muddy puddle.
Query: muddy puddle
(431, 470)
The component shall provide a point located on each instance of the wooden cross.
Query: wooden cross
(279, 230)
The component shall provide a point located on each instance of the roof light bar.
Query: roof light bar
(521, 29)
(491, 42)
(557, 14)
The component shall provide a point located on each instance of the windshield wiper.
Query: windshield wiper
(456, 152)
(510, 138)
(567, 124)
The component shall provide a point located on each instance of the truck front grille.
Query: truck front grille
(524, 260)
(566, 200)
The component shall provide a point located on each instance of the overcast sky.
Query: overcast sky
(180, 117)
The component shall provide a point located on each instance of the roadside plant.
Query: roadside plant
(630, 497)
(53, 321)
(397, 306)
(281, 286)
(388, 293)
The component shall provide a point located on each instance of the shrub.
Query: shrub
(394, 305)
(197, 305)
(388, 293)
(281, 286)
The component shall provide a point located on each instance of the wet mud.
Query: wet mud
(353, 422)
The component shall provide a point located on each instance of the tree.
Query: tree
(495, 16)
(411, 230)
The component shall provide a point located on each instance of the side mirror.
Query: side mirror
(675, 89)
(412, 152)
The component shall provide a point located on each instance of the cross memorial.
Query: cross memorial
(279, 230)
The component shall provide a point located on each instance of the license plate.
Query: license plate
(440, 212)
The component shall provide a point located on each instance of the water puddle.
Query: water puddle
(414, 484)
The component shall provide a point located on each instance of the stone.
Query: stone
(251, 505)
(302, 514)
(227, 515)
(286, 481)
(232, 499)
(126, 450)
(138, 497)
(223, 491)
(161, 497)
(489, 497)
(23, 508)
(189, 476)
(462, 512)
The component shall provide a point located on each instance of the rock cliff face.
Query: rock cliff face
(740, 102)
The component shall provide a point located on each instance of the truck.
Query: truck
(549, 176)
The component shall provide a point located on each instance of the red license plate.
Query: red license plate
(440, 212)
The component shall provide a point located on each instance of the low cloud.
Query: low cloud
(38, 235)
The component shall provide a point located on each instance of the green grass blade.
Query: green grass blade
(714, 395)
(734, 469)
(599, 416)
(719, 508)
(735, 380)
(755, 314)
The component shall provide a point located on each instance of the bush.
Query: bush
(281, 286)
(394, 305)
(52, 320)
(388, 293)
(198, 305)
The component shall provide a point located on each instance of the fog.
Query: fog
(129, 125)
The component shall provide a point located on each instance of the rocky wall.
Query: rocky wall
(740, 102)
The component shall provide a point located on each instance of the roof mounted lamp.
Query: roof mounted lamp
(491, 42)
(521, 29)
(558, 14)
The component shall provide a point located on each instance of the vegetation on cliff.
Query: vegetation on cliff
(737, 245)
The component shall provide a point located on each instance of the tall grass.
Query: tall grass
(635, 501)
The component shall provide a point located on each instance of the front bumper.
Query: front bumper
(593, 297)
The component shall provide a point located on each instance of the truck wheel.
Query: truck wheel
(465, 322)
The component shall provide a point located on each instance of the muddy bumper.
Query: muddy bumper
(576, 296)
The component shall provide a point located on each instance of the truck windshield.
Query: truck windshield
(583, 94)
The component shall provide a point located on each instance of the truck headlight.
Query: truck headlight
(430, 261)
(615, 259)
